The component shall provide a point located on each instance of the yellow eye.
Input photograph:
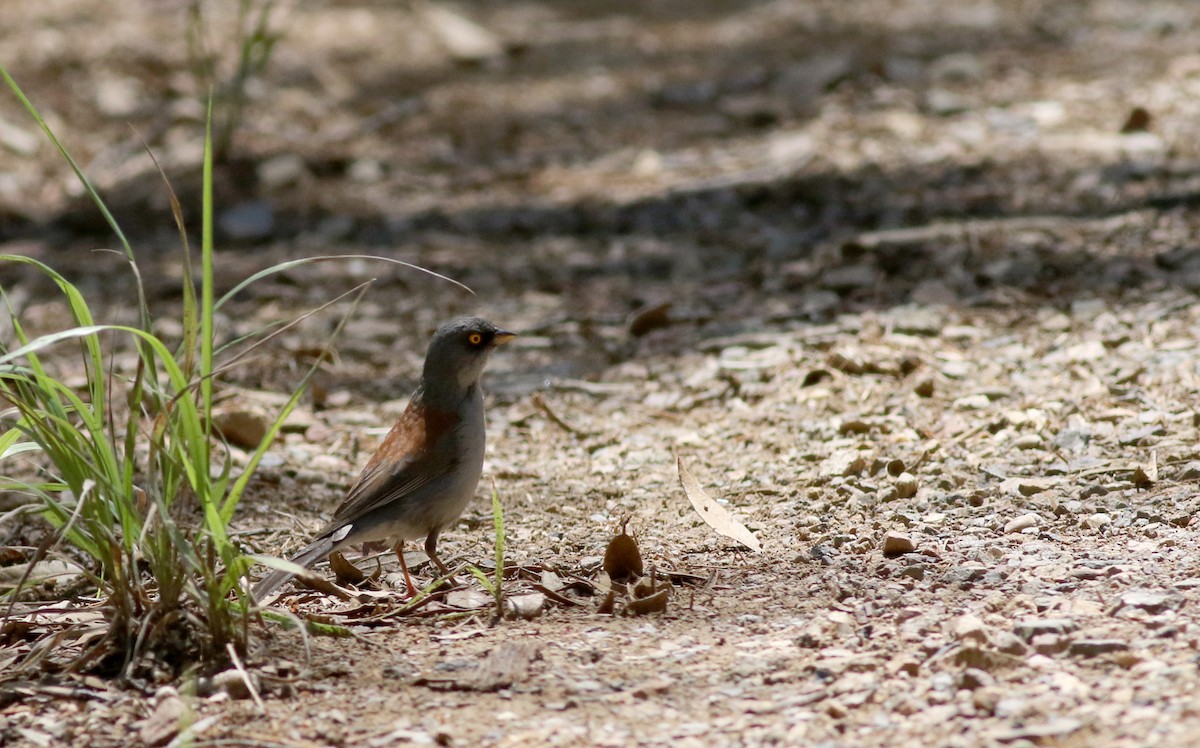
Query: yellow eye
(475, 338)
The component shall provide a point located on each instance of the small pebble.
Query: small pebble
(906, 486)
(897, 544)
(1023, 522)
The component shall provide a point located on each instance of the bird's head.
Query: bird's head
(458, 352)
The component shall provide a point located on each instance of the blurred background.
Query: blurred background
(717, 166)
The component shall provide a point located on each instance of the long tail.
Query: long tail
(316, 550)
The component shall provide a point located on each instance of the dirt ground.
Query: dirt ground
(931, 269)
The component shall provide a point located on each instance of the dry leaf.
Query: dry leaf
(608, 604)
(649, 319)
(622, 559)
(656, 603)
(346, 572)
(716, 516)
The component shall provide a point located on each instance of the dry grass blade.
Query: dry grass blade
(714, 515)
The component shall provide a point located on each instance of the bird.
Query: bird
(427, 468)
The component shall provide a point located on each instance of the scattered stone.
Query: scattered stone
(924, 387)
(972, 678)
(1097, 520)
(1049, 644)
(243, 425)
(231, 682)
(464, 40)
(1032, 627)
(1039, 732)
(1028, 441)
(167, 719)
(253, 219)
(281, 171)
(906, 486)
(969, 628)
(843, 463)
(1024, 522)
(1148, 600)
(1027, 486)
(527, 605)
(18, 140)
(972, 402)
(652, 687)
(914, 571)
(1009, 643)
(1190, 471)
(1096, 647)
(897, 544)
(846, 278)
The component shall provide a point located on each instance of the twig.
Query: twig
(542, 405)
(237, 664)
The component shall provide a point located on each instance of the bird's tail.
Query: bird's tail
(316, 550)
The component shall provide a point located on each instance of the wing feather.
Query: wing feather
(416, 451)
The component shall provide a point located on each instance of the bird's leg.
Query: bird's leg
(399, 549)
(431, 550)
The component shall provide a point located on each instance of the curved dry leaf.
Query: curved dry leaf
(622, 559)
(714, 515)
(346, 572)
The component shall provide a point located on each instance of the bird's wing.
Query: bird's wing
(416, 451)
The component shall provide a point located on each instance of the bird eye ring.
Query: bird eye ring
(475, 338)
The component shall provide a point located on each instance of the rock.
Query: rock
(20, 141)
(972, 678)
(118, 97)
(469, 599)
(845, 278)
(167, 719)
(944, 102)
(253, 219)
(1190, 471)
(528, 605)
(1097, 520)
(1023, 522)
(972, 402)
(243, 425)
(281, 171)
(1050, 644)
(231, 682)
(1009, 643)
(1038, 733)
(843, 463)
(986, 698)
(652, 687)
(1096, 647)
(924, 387)
(914, 571)
(897, 544)
(969, 628)
(464, 40)
(1027, 486)
(1147, 600)
(1032, 627)
(49, 571)
(906, 485)
(1028, 441)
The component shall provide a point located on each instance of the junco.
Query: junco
(428, 466)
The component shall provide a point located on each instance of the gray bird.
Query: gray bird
(428, 466)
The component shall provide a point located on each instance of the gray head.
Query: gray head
(458, 352)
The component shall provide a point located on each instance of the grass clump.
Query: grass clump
(127, 473)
